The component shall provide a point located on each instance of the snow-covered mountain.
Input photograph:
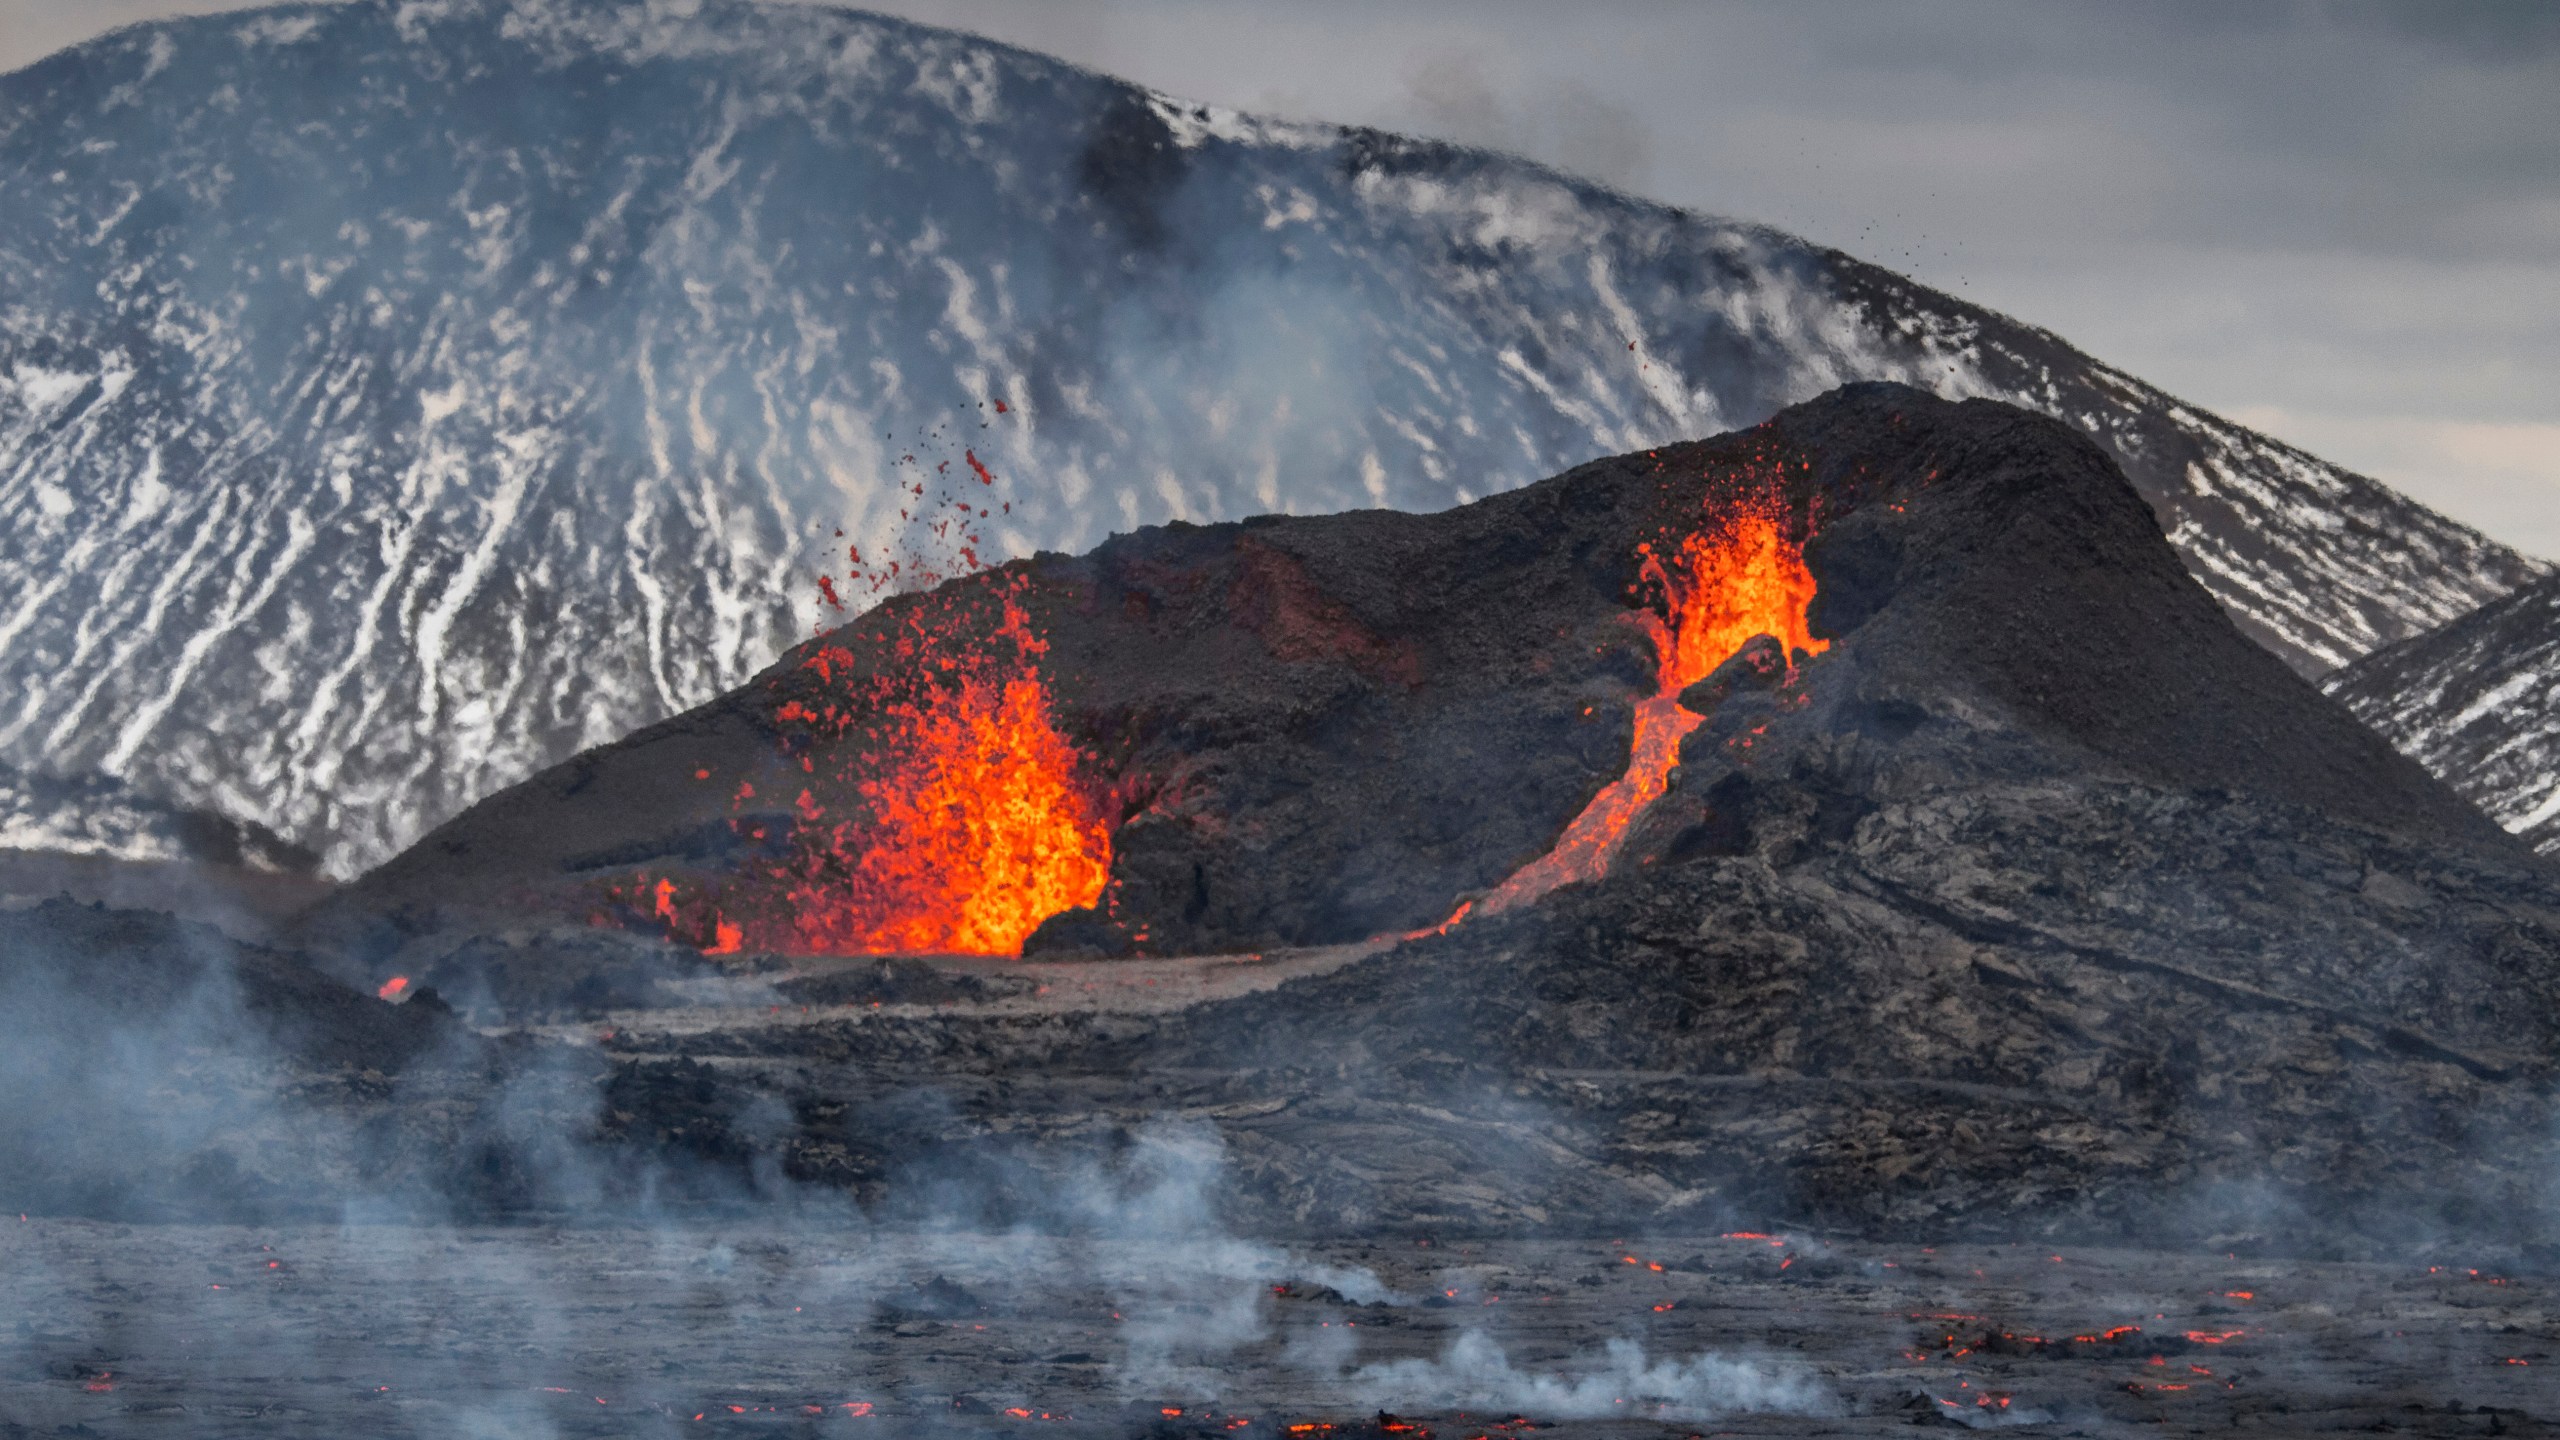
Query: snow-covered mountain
(397, 397)
(2478, 703)
(100, 816)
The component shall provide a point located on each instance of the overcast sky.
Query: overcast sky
(2337, 222)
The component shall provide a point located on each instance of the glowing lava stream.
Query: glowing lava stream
(1741, 579)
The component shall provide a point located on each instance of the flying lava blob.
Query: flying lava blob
(1741, 577)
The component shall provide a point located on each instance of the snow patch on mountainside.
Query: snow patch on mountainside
(97, 816)
(2478, 703)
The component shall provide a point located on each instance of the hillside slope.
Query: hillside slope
(2019, 892)
(2478, 703)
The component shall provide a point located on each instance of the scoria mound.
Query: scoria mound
(2004, 883)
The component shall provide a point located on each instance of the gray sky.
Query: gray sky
(2337, 222)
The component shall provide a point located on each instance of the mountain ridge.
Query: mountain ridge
(398, 398)
(2471, 701)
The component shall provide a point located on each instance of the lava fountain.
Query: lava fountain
(942, 810)
(1719, 588)
(974, 826)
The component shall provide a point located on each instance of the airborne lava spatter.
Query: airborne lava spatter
(978, 823)
(943, 811)
(1742, 577)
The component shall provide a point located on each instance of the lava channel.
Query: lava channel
(1740, 578)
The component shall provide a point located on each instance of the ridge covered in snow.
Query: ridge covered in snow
(2478, 703)
(99, 816)
(396, 398)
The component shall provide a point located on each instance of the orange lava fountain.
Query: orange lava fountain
(973, 826)
(944, 812)
(978, 831)
(1739, 579)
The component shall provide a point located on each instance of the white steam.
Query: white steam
(1475, 1374)
(1202, 1300)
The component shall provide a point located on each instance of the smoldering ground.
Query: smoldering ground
(610, 1330)
(1104, 1289)
(178, 1081)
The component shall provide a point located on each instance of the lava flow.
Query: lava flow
(1741, 578)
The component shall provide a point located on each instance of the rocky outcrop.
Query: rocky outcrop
(2473, 702)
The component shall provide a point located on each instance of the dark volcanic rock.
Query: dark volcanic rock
(553, 972)
(2094, 1006)
(152, 1066)
(127, 966)
(1760, 664)
(2041, 899)
(154, 1069)
(897, 980)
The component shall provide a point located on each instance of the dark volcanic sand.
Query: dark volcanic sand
(383, 1331)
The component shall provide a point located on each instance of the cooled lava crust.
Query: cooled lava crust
(2038, 899)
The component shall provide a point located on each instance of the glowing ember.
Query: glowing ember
(1741, 578)
(393, 988)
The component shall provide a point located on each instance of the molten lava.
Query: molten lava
(1740, 578)
(944, 811)
(978, 826)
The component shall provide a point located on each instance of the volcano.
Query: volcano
(1862, 816)
(398, 399)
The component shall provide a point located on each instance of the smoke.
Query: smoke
(1198, 1294)
(122, 1096)
(1618, 1381)
(1203, 1297)
(164, 1074)
(1456, 93)
(157, 1069)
